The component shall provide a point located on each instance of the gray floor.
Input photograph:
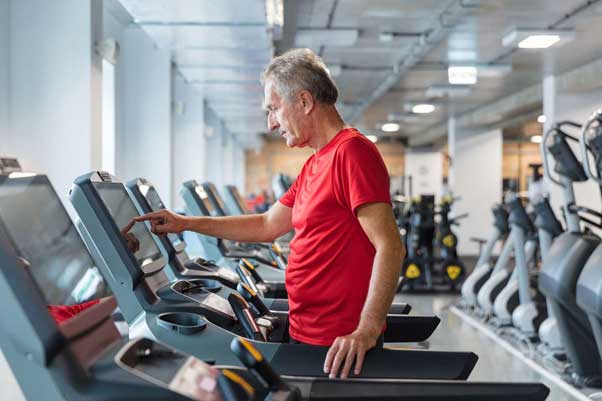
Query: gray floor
(453, 334)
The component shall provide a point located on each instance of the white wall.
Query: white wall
(54, 91)
(478, 181)
(144, 112)
(189, 142)
(4, 41)
(426, 169)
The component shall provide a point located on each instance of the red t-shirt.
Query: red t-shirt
(61, 313)
(331, 258)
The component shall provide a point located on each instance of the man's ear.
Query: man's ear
(307, 101)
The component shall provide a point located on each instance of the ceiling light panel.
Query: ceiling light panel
(177, 11)
(423, 108)
(536, 39)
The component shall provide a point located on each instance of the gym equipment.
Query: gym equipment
(566, 259)
(517, 289)
(422, 269)
(450, 266)
(146, 197)
(85, 359)
(589, 285)
(198, 204)
(483, 267)
(273, 251)
(234, 201)
(137, 281)
(9, 165)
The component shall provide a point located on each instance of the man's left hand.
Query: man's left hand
(347, 349)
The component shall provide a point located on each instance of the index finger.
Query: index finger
(150, 216)
(128, 226)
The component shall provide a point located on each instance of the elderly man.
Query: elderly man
(346, 255)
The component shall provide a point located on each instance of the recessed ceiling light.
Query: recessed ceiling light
(390, 127)
(536, 38)
(372, 138)
(423, 108)
(541, 119)
(536, 139)
(462, 75)
(538, 41)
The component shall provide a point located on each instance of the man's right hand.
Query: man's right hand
(164, 222)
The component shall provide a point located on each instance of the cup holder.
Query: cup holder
(182, 322)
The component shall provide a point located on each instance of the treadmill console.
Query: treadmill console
(9, 165)
(33, 218)
(155, 202)
(171, 369)
(136, 236)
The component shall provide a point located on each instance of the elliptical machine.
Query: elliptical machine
(566, 259)
(484, 265)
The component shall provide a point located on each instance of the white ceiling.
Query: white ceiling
(222, 46)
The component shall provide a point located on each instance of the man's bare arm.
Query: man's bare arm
(264, 227)
(379, 224)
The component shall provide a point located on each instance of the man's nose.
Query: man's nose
(272, 122)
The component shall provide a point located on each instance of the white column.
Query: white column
(478, 182)
(144, 127)
(54, 92)
(189, 142)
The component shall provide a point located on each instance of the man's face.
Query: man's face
(284, 116)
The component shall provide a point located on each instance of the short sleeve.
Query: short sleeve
(361, 175)
(288, 199)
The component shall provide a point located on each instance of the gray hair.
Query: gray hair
(301, 69)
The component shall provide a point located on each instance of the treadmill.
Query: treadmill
(171, 313)
(276, 249)
(85, 358)
(234, 201)
(399, 328)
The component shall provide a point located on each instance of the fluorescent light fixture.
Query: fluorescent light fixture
(274, 11)
(452, 91)
(423, 108)
(462, 75)
(372, 138)
(314, 38)
(541, 119)
(536, 38)
(390, 127)
(536, 139)
(539, 41)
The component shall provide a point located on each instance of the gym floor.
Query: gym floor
(495, 363)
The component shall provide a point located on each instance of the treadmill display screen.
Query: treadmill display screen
(122, 209)
(206, 202)
(153, 199)
(42, 233)
(238, 199)
(218, 198)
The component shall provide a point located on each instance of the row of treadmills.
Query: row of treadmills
(206, 325)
